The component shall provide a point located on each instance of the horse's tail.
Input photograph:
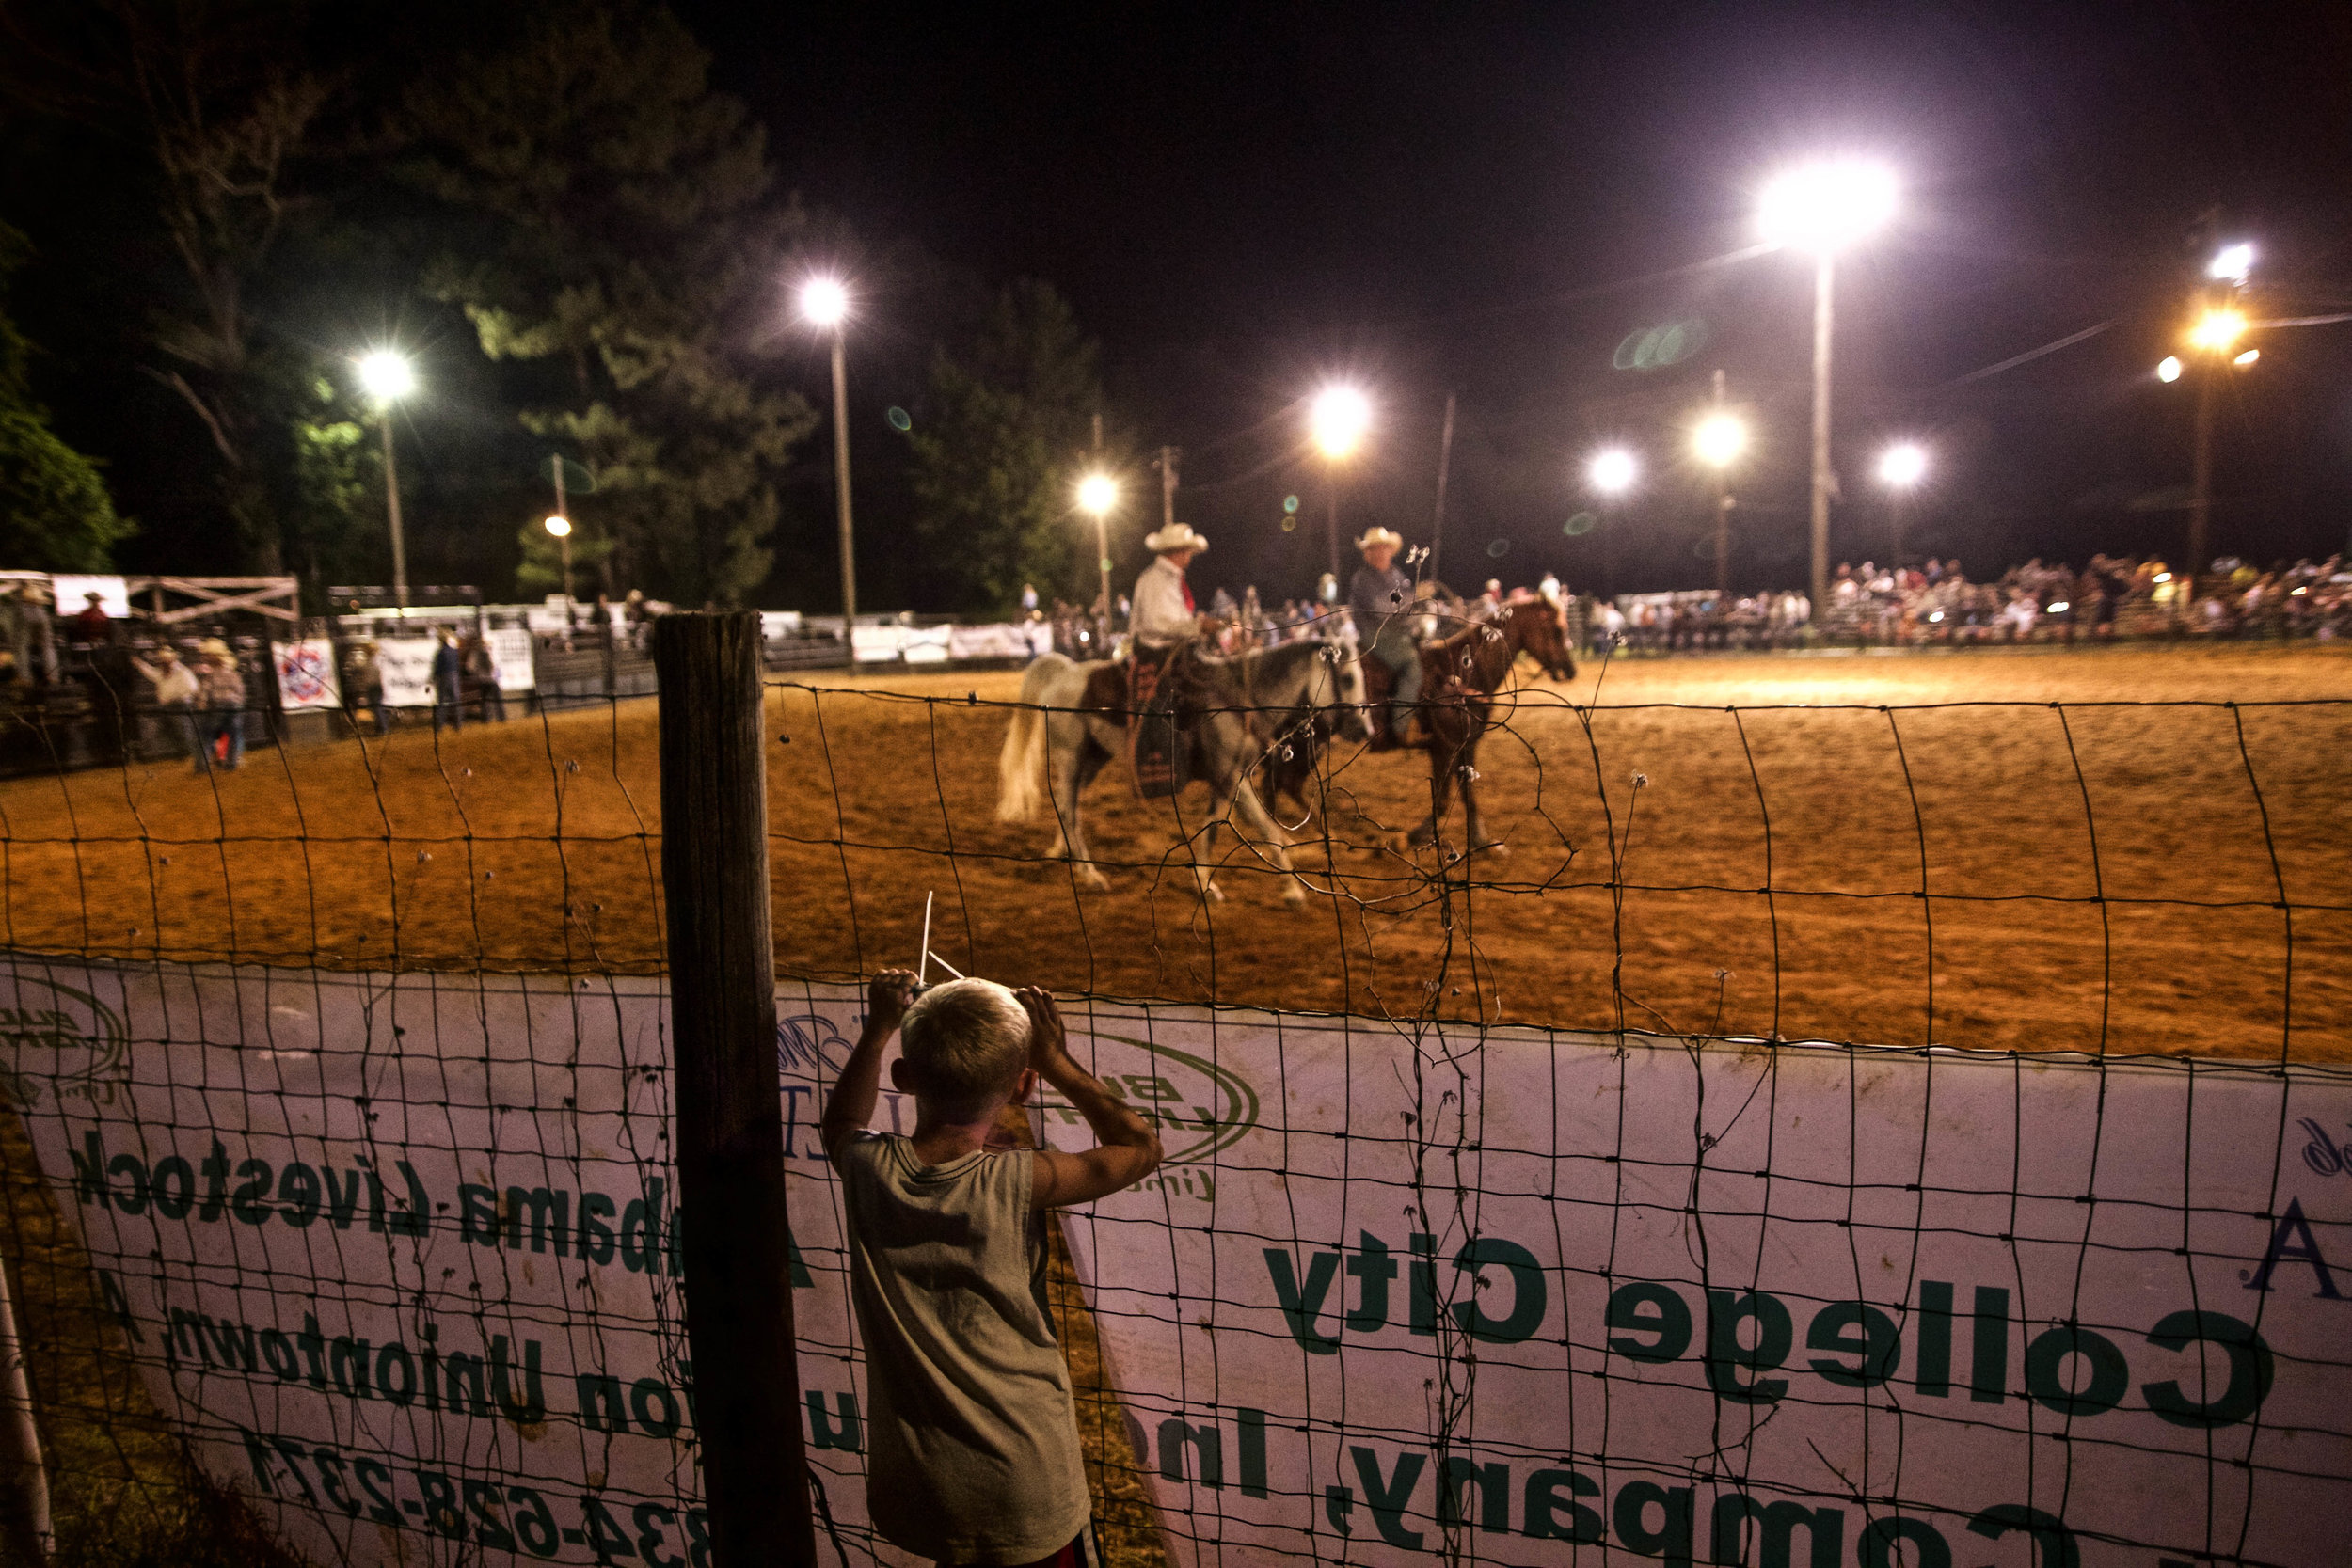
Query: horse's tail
(1021, 766)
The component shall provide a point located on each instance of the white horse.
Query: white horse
(1234, 710)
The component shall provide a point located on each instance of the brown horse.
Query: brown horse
(1461, 674)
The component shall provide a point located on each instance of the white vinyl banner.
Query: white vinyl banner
(305, 674)
(510, 658)
(399, 1254)
(406, 665)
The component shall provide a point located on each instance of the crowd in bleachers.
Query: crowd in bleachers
(1939, 604)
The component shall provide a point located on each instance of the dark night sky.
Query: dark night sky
(1241, 200)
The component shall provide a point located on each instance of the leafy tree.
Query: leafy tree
(333, 476)
(542, 568)
(997, 459)
(631, 255)
(216, 97)
(54, 512)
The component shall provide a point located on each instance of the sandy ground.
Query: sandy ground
(2098, 872)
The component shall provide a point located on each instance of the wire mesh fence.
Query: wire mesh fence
(1899, 1130)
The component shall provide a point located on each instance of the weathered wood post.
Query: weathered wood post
(730, 1129)
(23, 1477)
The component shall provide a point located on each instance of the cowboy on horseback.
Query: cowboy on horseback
(1380, 598)
(1164, 614)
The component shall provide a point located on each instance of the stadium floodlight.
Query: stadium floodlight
(387, 375)
(1612, 471)
(1827, 205)
(1098, 494)
(1718, 439)
(2232, 263)
(1820, 209)
(1902, 465)
(824, 302)
(560, 527)
(2169, 368)
(1338, 419)
(825, 305)
(2216, 330)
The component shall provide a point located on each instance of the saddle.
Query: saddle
(1439, 683)
(1144, 686)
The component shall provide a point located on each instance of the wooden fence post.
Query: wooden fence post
(730, 1132)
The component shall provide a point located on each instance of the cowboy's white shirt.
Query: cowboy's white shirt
(1160, 617)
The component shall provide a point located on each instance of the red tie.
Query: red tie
(1187, 588)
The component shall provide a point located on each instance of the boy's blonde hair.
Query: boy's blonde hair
(964, 1044)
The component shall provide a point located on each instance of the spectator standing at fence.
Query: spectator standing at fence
(975, 1454)
(223, 729)
(90, 624)
(448, 683)
(172, 692)
(16, 631)
(482, 674)
(364, 683)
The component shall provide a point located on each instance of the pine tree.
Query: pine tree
(998, 455)
(633, 255)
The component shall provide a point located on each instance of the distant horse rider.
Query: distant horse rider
(1164, 613)
(1163, 623)
(1382, 599)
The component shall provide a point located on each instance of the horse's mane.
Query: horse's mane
(1233, 672)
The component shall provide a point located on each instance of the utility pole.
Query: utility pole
(1168, 486)
(1723, 509)
(1102, 554)
(1445, 458)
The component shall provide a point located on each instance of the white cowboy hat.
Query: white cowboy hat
(1175, 536)
(1381, 537)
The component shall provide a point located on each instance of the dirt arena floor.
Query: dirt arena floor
(2098, 873)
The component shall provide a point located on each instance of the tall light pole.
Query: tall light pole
(1902, 467)
(1098, 493)
(1337, 419)
(1717, 441)
(825, 305)
(2214, 338)
(560, 528)
(1825, 208)
(386, 376)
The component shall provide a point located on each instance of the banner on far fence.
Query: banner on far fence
(305, 674)
(406, 665)
(1005, 640)
(398, 1253)
(510, 658)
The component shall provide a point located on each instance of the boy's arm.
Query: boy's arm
(1129, 1149)
(853, 1104)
